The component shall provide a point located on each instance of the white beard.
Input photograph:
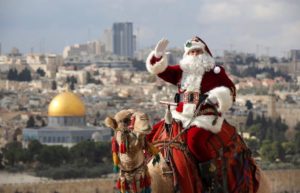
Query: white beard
(197, 64)
(193, 68)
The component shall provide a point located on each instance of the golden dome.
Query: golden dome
(66, 104)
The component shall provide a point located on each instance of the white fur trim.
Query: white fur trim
(203, 121)
(217, 69)
(224, 97)
(158, 67)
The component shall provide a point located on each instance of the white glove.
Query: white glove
(160, 48)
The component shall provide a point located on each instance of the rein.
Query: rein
(133, 170)
(194, 116)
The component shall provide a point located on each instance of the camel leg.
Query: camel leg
(160, 183)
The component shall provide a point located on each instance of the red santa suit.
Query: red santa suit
(205, 137)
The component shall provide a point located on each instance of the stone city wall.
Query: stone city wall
(282, 181)
(61, 186)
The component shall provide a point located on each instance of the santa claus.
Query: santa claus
(212, 141)
(196, 75)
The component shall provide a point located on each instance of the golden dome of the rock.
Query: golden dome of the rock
(66, 104)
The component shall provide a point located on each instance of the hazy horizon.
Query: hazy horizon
(259, 26)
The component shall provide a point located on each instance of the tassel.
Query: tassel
(115, 162)
(123, 186)
(147, 180)
(122, 147)
(141, 182)
(126, 185)
(118, 184)
(148, 190)
(133, 185)
(114, 145)
(116, 159)
(116, 169)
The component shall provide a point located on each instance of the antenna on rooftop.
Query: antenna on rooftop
(231, 47)
(257, 50)
(89, 34)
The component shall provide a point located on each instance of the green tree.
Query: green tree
(249, 120)
(25, 75)
(89, 78)
(103, 152)
(297, 142)
(84, 152)
(267, 151)
(53, 85)
(12, 74)
(279, 130)
(254, 130)
(289, 148)
(53, 155)
(272, 150)
(263, 128)
(12, 153)
(297, 127)
(1, 160)
(253, 144)
(40, 72)
(279, 150)
(34, 148)
(249, 105)
(31, 122)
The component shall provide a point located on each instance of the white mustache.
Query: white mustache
(197, 64)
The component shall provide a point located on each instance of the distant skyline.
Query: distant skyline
(254, 26)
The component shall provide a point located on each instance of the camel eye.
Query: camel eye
(126, 121)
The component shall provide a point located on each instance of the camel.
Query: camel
(130, 147)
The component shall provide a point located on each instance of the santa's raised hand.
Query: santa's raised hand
(160, 48)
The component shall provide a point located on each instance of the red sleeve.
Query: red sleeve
(172, 74)
(213, 80)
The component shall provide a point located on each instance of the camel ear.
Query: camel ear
(110, 122)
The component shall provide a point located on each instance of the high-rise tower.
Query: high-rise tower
(123, 39)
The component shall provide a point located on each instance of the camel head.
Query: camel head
(129, 120)
(130, 128)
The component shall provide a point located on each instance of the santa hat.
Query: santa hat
(196, 43)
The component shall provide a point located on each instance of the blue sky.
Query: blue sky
(246, 25)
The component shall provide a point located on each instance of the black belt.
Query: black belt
(189, 97)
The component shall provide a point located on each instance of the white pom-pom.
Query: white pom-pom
(217, 70)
